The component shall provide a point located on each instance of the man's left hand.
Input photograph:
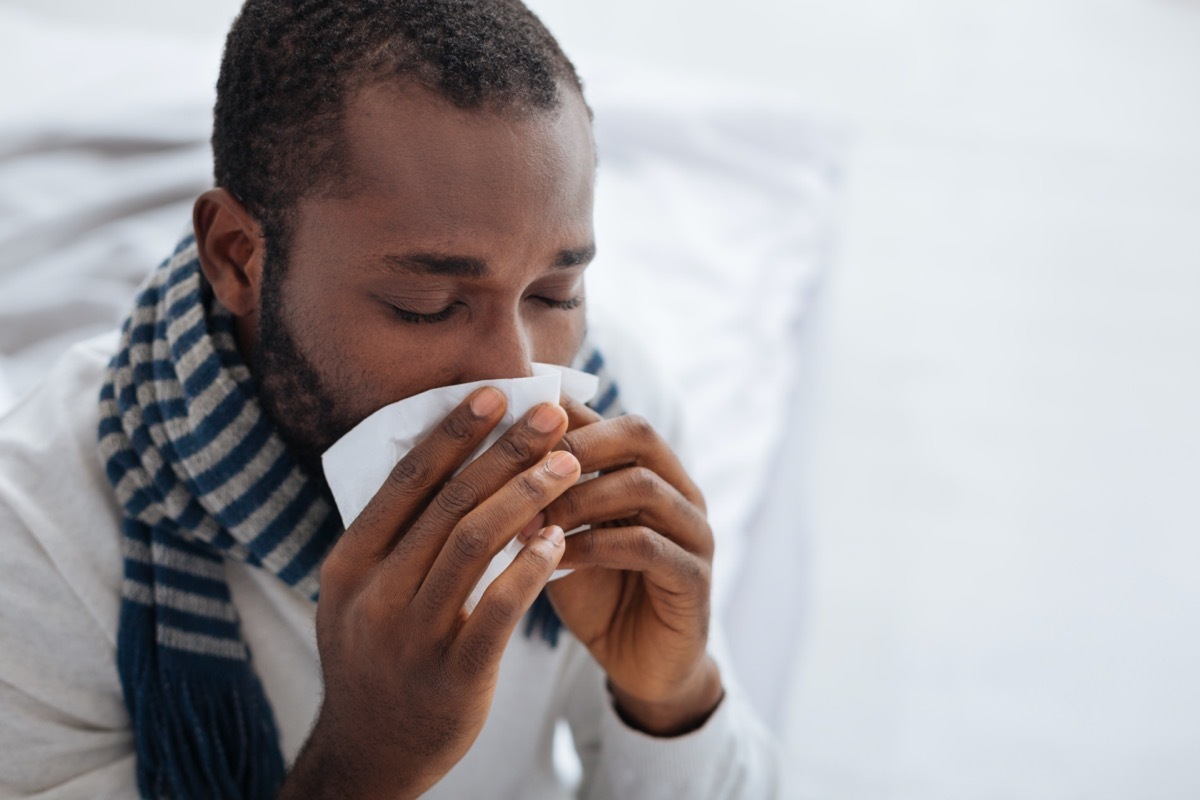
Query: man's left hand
(639, 596)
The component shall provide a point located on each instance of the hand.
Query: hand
(409, 676)
(639, 598)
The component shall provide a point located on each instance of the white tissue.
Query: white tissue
(358, 463)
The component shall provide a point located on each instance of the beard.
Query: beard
(291, 389)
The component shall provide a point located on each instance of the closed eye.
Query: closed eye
(564, 305)
(418, 318)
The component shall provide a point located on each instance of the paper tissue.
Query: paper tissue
(358, 463)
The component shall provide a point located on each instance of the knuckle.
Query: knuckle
(515, 449)
(649, 546)
(684, 508)
(457, 428)
(573, 503)
(639, 427)
(412, 472)
(503, 606)
(529, 488)
(644, 483)
(706, 544)
(572, 443)
(456, 498)
(333, 574)
(471, 542)
(540, 557)
(694, 572)
(587, 544)
(437, 587)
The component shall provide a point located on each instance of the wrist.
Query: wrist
(322, 772)
(683, 712)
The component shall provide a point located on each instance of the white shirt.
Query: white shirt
(64, 729)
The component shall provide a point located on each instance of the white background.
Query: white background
(1005, 593)
(1006, 596)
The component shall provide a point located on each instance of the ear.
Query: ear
(232, 251)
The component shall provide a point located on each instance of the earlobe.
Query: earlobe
(231, 249)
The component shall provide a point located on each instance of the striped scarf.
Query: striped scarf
(203, 476)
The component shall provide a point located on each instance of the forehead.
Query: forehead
(423, 166)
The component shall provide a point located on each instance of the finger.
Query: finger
(578, 414)
(483, 533)
(629, 441)
(485, 634)
(532, 527)
(526, 443)
(640, 496)
(426, 467)
(666, 566)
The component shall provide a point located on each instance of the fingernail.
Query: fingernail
(485, 402)
(553, 533)
(531, 527)
(546, 418)
(561, 464)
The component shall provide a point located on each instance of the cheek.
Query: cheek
(380, 364)
(555, 336)
(362, 361)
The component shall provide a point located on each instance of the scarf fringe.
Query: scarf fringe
(199, 734)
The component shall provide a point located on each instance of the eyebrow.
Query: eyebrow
(468, 267)
(576, 257)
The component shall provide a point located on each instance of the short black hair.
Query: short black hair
(289, 68)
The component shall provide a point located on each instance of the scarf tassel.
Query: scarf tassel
(199, 733)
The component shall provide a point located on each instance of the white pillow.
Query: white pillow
(713, 208)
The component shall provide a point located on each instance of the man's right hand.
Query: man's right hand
(409, 676)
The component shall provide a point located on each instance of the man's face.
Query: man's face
(455, 252)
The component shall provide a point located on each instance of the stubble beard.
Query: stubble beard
(290, 388)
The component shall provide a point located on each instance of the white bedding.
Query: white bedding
(712, 222)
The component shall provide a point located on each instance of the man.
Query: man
(403, 202)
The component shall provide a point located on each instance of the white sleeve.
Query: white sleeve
(64, 730)
(732, 755)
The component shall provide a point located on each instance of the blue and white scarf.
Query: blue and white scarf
(203, 476)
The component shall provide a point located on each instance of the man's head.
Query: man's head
(405, 202)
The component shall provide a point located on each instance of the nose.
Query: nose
(501, 349)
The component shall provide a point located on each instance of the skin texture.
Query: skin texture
(480, 225)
